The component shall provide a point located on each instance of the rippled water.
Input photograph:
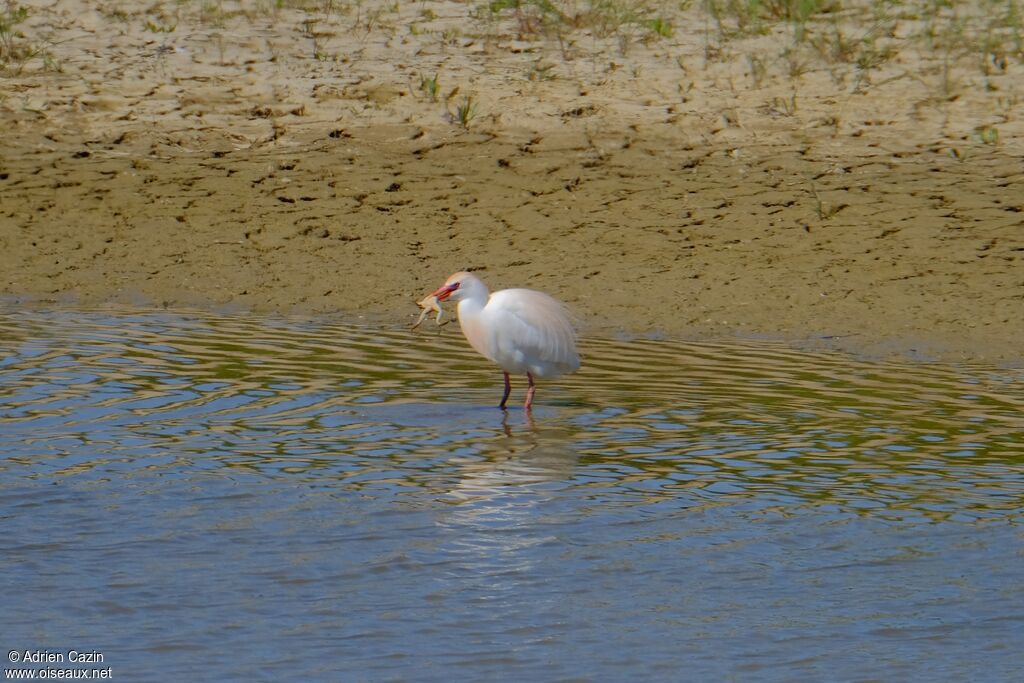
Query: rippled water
(231, 498)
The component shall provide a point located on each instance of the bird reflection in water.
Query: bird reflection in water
(499, 504)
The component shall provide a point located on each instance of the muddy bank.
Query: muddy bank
(637, 235)
(195, 175)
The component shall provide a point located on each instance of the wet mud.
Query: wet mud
(177, 188)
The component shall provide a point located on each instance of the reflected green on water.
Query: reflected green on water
(646, 421)
(332, 502)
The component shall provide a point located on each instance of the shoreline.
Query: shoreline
(172, 157)
(913, 349)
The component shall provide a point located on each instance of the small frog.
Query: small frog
(429, 304)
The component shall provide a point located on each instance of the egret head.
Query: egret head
(461, 285)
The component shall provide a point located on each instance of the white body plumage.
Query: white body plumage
(521, 330)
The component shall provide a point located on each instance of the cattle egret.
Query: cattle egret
(522, 330)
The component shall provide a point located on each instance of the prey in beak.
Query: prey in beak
(445, 291)
(433, 303)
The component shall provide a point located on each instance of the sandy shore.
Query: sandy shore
(299, 159)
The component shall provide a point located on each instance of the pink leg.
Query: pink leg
(529, 392)
(504, 397)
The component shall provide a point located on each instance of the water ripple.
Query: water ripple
(645, 422)
(332, 502)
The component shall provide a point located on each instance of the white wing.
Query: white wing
(528, 331)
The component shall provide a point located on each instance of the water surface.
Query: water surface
(204, 497)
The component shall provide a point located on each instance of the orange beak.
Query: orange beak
(445, 291)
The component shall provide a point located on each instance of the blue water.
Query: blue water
(214, 498)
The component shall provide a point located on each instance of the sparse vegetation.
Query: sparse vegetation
(988, 135)
(466, 111)
(16, 48)
(430, 86)
(621, 19)
(12, 41)
(823, 210)
(160, 28)
(860, 44)
(851, 39)
(660, 26)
